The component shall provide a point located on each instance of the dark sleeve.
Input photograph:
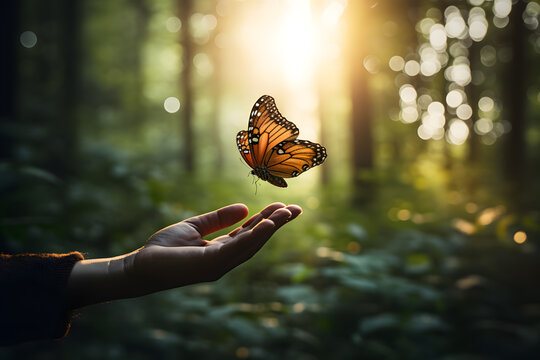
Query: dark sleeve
(32, 289)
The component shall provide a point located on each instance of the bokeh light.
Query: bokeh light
(486, 104)
(483, 126)
(502, 8)
(458, 132)
(454, 98)
(396, 63)
(171, 104)
(424, 100)
(478, 24)
(173, 24)
(531, 15)
(425, 25)
(28, 39)
(455, 24)
(209, 22)
(412, 68)
(500, 22)
(409, 114)
(436, 108)
(203, 64)
(464, 111)
(460, 73)
(520, 237)
(407, 93)
(437, 37)
(488, 55)
(430, 64)
(372, 64)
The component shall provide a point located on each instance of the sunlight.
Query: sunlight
(295, 42)
(332, 13)
(284, 51)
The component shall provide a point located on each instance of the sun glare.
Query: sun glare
(295, 42)
(284, 50)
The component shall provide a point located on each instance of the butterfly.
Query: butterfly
(271, 148)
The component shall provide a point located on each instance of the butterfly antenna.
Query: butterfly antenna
(243, 162)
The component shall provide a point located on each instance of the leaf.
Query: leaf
(379, 322)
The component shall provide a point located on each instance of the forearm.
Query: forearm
(99, 280)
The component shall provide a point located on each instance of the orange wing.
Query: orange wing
(244, 148)
(291, 158)
(266, 129)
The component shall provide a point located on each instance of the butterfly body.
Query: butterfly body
(271, 148)
(265, 175)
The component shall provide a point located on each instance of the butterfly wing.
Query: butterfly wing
(244, 148)
(270, 145)
(267, 128)
(291, 158)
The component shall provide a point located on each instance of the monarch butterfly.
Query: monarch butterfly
(271, 148)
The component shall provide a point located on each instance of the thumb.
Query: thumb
(219, 219)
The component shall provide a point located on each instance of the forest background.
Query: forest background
(420, 233)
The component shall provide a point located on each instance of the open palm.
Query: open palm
(179, 255)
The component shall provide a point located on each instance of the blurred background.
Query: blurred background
(420, 232)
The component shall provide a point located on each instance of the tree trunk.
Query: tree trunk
(361, 115)
(9, 38)
(514, 108)
(322, 95)
(185, 9)
(215, 116)
(323, 133)
(70, 57)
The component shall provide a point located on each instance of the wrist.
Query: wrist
(98, 280)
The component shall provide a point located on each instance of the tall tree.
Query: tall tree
(142, 17)
(358, 21)
(515, 95)
(69, 60)
(9, 17)
(322, 94)
(216, 93)
(185, 8)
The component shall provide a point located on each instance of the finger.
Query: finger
(216, 220)
(278, 218)
(264, 229)
(295, 211)
(242, 247)
(264, 213)
(260, 234)
(256, 218)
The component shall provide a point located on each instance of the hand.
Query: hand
(177, 255)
